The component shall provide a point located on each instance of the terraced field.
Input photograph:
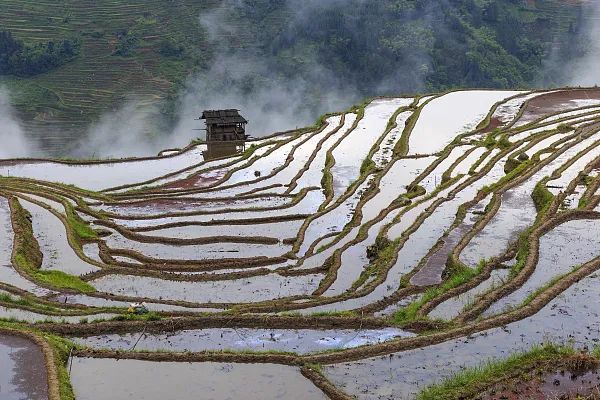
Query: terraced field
(373, 255)
(58, 107)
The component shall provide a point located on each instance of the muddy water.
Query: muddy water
(465, 165)
(294, 340)
(393, 184)
(198, 168)
(101, 302)
(6, 233)
(32, 317)
(266, 164)
(279, 230)
(507, 111)
(560, 101)
(153, 207)
(212, 251)
(301, 156)
(91, 250)
(312, 177)
(567, 319)
(452, 307)
(571, 172)
(449, 115)
(101, 175)
(355, 148)
(308, 205)
(409, 256)
(572, 200)
(431, 272)
(566, 246)
(434, 178)
(259, 288)
(542, 144)
(51, 234)
(575, 122)
(10, 276)
(516, 212)
(188, 381)
(386, 150)
(571, 114)
(196, 180)
(390, 187)
(420, 241)
(334, 220)
(22, 370)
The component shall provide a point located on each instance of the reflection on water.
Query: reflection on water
(222, 149)
(145, 380)
(22, 370)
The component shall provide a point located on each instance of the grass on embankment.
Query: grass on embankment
(80, 227)
(458, 277)
(474, 381)
(27, 255)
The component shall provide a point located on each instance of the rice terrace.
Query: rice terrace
(299, 200)
(375, 255)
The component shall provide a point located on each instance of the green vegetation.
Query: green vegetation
(61, 280)
(457, 277)
(20, 59)
(79, 226)
(327, 178)
(62, 349)
(28, 257)
(151, 316)
(107, 55)
(367, 166)
(542, 197)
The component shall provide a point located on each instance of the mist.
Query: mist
(236, 78)
(283, 70)
(277, 87)
(13, 142)
(250, 80)
(130, 131)
(585, 71)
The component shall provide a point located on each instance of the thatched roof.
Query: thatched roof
(223, 117)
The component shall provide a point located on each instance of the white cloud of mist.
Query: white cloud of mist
(252, 80)
(13, 142)
(586, 71)
(270, 107)
(275, 103)
(235, 79)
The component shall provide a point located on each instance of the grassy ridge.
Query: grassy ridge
(28, 257)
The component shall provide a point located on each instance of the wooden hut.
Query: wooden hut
(225, 132)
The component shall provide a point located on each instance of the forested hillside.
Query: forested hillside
(118, 50)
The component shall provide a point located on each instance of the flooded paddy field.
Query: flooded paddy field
(23, 369)
(369, 257)
(155, 381)
(300, 341)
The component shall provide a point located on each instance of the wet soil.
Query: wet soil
(562, 384)
(568, 319)
(558, 101)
